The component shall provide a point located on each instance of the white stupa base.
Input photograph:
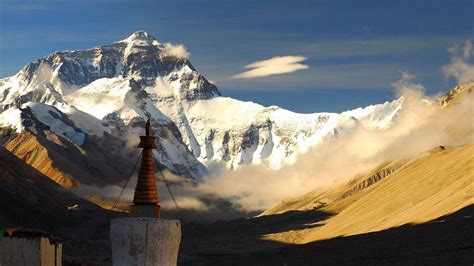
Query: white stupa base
(145, 241)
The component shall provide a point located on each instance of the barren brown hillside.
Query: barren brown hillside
(418, 190)
(67, 164)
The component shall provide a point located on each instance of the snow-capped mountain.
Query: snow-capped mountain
(98, 95)
(248, 133)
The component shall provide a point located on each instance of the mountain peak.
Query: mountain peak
(141, 36)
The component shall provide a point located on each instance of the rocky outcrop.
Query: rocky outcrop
(452, 96)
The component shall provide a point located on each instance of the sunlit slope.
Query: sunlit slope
(418, 190)
(63, 162)
(26, 147)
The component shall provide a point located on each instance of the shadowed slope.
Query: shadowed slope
(30, 199)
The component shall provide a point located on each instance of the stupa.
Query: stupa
(145, 238)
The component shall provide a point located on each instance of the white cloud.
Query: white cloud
(176, 50)
(273, 66)
(405, 84)
(460, 68)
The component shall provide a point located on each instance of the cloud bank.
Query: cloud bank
(176, 50)
(273, 66)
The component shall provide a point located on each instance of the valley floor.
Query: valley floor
(447, 240)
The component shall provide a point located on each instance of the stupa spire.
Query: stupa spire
(145, 199)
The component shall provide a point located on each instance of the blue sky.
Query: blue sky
(354, 50)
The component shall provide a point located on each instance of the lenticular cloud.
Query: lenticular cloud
(273, 66)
